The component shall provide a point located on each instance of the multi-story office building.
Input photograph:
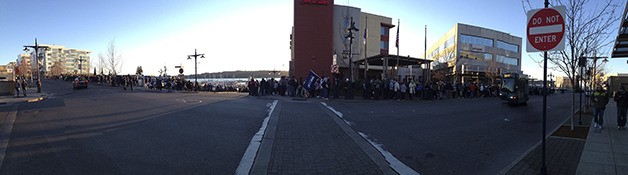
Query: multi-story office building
(563, 82)
(320, 32)
(21, 58)
(75, 61)
(474, 54)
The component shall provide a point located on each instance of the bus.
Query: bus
(514, 89)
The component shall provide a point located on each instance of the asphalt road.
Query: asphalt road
(106, 130)
(468, 136)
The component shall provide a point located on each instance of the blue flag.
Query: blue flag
(310, 81)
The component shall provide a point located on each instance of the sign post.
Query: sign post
(545, 32)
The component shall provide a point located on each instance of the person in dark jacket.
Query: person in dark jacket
(621, 97)
(24, 86)
(600, 99)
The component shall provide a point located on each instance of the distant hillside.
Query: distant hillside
(242, 74)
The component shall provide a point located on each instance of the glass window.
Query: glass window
(449, 42)
(508, 85)
(476, 40)
(507, 60)
(507, 46)
(384, 31)
(383, 45)
(476, 55)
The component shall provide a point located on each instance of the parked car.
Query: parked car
(80, 82)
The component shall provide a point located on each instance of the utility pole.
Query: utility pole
(196, 55)
(36, 47)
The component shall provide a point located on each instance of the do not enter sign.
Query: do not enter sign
(546, 29)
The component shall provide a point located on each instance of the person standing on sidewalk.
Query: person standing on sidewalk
(621, 97)
(411, 89)
(24, 86)
(600, 99)
(17, 87)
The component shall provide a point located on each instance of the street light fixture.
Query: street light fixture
(350, 37)
(196, 55)
(80, 60)
(36, 47)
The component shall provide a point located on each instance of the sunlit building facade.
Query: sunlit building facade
(75, 61)
(320, 32)
(469, 53)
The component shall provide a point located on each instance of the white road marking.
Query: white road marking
(546, 29)
(5, 132)
(246, 163)
(338, 114)
(394, 163)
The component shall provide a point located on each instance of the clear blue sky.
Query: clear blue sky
(235, 35)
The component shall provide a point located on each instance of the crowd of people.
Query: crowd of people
(393, 89)
(168, 84)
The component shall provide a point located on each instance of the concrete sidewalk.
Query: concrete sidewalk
(31, 96)
(605, 151)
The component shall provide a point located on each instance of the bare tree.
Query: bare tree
(57, 68)
(113, 61)
(139, 70)
(165, 71)
(102, 64)
(492, 70)
(444, 63)
(24, 68)
(587, 32)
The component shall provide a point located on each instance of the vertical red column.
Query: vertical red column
(313, 37)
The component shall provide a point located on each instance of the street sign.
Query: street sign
(546, 29)
(334, 69)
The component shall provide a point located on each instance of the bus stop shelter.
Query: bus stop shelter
(389, 62)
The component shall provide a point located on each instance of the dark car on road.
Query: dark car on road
(80, 82)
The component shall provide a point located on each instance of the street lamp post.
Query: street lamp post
(80, 64)
(350, 37)
(196, 55)
(36, 47)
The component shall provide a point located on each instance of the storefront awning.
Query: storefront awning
(620, 49)
(378, 60)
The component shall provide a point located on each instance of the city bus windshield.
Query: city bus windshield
(508, 85)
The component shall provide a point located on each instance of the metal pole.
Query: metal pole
(543, 165)
(195, 70)
(37, 62)
(365, 46)
(581, 83)
(397, 41)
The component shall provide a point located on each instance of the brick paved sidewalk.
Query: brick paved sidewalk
(562, 153)
(308, 141)
(562, 157)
